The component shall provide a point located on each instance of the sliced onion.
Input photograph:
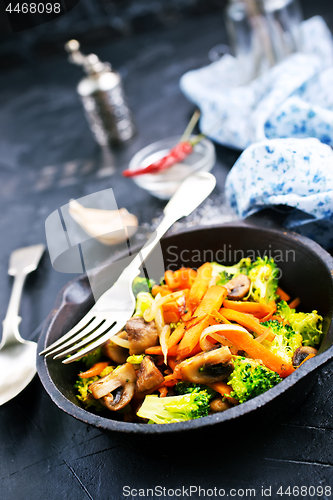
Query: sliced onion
(168, 298)
(149, 313)
(263, 335)
(119, 341)
(159, 320)
(211, 331)
(166, 331)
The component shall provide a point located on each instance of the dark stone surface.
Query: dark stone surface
(49, 156)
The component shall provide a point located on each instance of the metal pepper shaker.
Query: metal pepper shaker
(103, 98)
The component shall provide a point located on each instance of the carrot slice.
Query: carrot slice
(163, 390)
(212, 299)
(245, 342)
(162, 289)
(257, 309)
(170, 380)
(200, 285)
(295, 303)
(248, 321)
(96, 369)
(157, 350)
(180, 279)
(225, 391)
(282, 294)
(176, 336)
(312, 355)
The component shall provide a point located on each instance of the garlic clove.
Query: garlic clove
(109, 227)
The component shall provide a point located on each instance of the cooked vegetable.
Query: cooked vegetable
(264, 278)
(226, 273)
(85, 396)
(114, 351)
(199, 343)
(186, 387)
(285, 342)
(282, 294)
(96, 369)
(135, 359)
(309, 325)
(238, 287)
(212, 300)
(92, 357)
(250, 379)
(248, 321)
(181, 279)
(245, 342)
(200, 286)
(175, 408)
(116, 389)
(141, 284)
(141, 335)
(206, 367)
(143, 301)
(303, 353)
(148, 375)
(258, 310)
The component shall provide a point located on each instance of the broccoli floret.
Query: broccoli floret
(226, 273)
(175, 408)
(286, 340)
(264, 280)
(309, 325)
(85, 396)
(141, 284)
(83, 392)
(143, 301)
(250, 378)
(187, 387)
(92, 357)
(135, 359)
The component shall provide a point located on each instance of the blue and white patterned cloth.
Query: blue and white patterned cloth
(293, 172)
(292, 99)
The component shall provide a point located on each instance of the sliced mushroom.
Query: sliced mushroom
(116, 389)
(141, 335)
(218, 404)
(207, 367)
(148, 375)
(301, 353)
(115, 352)
(238, 287)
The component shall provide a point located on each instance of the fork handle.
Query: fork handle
(191, 193)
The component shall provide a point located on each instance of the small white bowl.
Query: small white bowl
(165, 184)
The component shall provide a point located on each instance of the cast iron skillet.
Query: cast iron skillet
(306, 272)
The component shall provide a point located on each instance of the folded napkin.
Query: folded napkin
(293, 172)
(292, 99)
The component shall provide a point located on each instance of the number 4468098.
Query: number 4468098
(305, 491)
(34, 8)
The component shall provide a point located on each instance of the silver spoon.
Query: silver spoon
(17, 356)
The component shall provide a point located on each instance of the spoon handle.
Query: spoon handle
(10, 332)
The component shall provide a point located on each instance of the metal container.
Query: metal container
(103, 98)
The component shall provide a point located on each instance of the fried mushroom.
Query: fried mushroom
(302, 353)
(141, 335)
(115, 352)
(207, 367)
(148, 375)
(116, 389)
(218, 404)
(238, 287)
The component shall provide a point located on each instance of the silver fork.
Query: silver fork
(111, 311)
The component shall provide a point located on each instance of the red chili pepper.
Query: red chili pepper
(176, 155)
